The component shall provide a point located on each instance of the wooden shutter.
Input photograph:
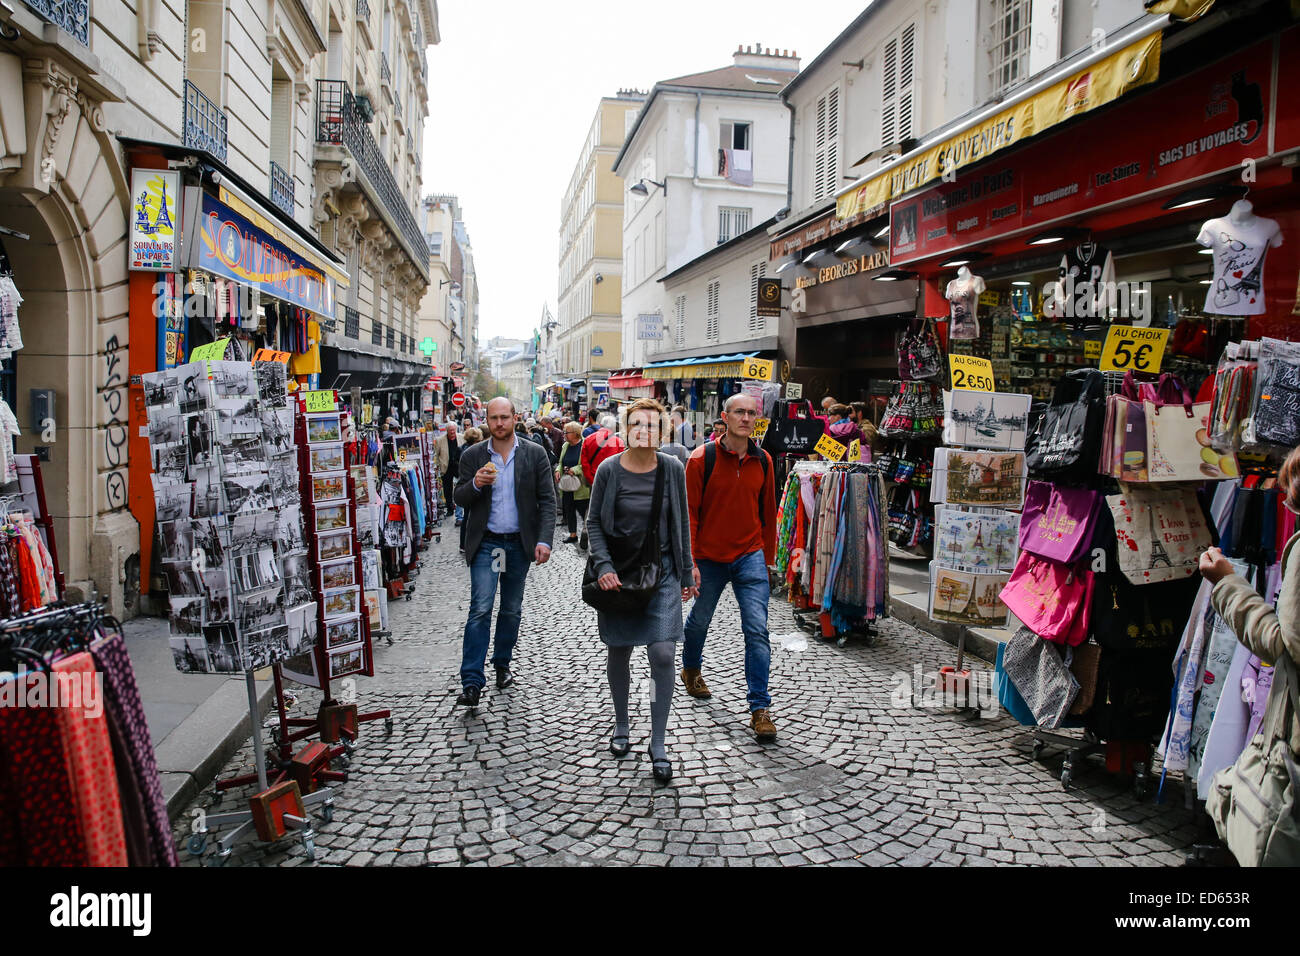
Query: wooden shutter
(757, 323)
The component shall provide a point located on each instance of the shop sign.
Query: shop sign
(319, 401)
(769, 297)
(229, 245)
(1103, 82)
(760, 369)
(155, 219)
(828, 447)
(649, 327)
(819, 230)
(1133, 348)
(1209, 124)
(793, 390)
(760, 428)
(1092, 349)
(971, 373)
(842, 270)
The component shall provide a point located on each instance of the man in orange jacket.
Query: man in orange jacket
(730, 491)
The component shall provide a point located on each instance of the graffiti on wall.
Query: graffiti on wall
(112, 391)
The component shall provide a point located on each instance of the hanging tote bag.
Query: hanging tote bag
(1178, 438)
(919, 355)
(1253, 802)
(1050, 598)
(1160, 534)
(1058, 521)
(1125, 453)
(1067, 443)
(636, 562)
(1084, 665)
(793, 429)
(1041, 676)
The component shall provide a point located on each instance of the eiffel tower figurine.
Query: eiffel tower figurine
(1158, 554)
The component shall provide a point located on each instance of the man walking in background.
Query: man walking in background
(730, 487)
(599, 445)
(449, 448)
(683, 431)
(508, 494)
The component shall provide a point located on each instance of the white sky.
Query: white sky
(514, 85)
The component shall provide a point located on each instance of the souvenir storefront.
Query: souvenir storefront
(701, 385)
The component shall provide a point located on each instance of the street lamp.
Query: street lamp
(642, 190)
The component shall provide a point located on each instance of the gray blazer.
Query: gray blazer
(534, 496)
(600, 512)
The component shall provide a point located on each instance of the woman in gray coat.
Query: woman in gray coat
(622, 500)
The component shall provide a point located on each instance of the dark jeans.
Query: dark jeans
(572, 509)
(499, 557)
(748, 577)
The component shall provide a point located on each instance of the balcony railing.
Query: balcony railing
(72, 15)
(376, 332)
(384, 73)
(337, 121)
(351, 322)
(281, 188)
(363, 10)
(204, 125)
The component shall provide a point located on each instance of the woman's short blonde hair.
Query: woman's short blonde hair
(571, 428)
(658, 415)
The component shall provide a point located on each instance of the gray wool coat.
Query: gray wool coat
(604, 492)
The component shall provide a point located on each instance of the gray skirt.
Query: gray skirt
(660, 621)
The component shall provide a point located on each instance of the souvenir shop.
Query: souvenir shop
(702, 385)
(1070, 503)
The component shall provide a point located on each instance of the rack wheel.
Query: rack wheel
(349, 746)
(1067, 777)
(390, 637)
(1036, 752)
(327, 812)
(842, 641)
(309, 847)
(219, 859)
(197, 843)
(343, 761)
(388, 724)
(216, 797)
(1141, 783)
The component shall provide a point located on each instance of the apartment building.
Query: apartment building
(704, 161)
(591, 244)
(301, 118)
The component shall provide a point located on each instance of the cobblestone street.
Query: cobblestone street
(854, 777)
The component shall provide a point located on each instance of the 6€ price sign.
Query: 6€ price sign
(855, 450)
(760, 369)
(1130, 348)
(828, 447)
(760, 428)
(971, 373)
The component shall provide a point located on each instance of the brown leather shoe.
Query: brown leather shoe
(760, 722)
(695, 685)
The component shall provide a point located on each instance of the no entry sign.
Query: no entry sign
(458, 399)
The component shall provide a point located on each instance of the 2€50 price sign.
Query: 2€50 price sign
(1130, 348)
(760, 428)
(971, 373)
(760, 369)
(828, 447)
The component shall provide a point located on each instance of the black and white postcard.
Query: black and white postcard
(271, 383)
(176, 540)
(297, 571)
(223, 649)
(190, 654)
(171, 499)
(257, 610)
(199, 440)
(301, 621)
(996, 420)
(247, 493)
(233, 379)
(186, 613)
(284, 479)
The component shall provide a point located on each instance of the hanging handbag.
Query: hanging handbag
(1058, 521)
(1160, 534)
(1083, 665)
(1178, 438)
(1051, 598)
(636, 562)
(1067, 443)
(1039, 673)
(569, 482)
(919, 355)
(793, 429)
(1253, 802)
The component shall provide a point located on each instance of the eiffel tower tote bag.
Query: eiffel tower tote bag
(1160, 534)
(1058, 521)
(1178, 438)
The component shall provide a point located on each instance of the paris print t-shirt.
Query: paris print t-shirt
(1239, 249)
(963, 298)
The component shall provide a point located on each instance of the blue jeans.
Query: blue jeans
(503, 558)
(748, 577)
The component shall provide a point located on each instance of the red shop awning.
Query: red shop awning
(629, 381)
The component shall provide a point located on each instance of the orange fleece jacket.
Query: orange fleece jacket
(726, 524)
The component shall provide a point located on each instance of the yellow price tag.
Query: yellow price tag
(401, 454)
(212, 352)
(828, 447)
(321, 400)
(855, 450)
(793, 390)
(990, 297)
(1092, 350)
(760, 428)
(971, 373)
(1130, 348)
(758, 368)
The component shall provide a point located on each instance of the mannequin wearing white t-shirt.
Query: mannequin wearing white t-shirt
(963, 295)
(1240, 241)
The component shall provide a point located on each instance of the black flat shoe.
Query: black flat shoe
(505, 678)
(662, 768)
(620, 749)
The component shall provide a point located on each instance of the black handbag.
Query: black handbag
(636, 562)
(1066, 444)
(790, 435)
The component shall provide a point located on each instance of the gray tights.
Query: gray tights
(663, 662)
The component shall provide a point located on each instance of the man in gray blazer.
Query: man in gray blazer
(508, 492)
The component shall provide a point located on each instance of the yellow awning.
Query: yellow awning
(1086, 89)
(715, 370)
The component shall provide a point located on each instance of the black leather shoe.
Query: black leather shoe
(619, 745)
(662, 769)
(505, 678)
(582, 541)
(469, 697)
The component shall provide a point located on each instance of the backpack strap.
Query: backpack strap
(711, 458)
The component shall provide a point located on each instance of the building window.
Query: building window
(1010, 44)
(734, 135)
(711, 329)
(826, 146)
(757, 323)
(897, 90)
(679, 321)
(732, 222)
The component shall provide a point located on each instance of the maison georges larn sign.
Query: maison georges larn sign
(841, 270)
